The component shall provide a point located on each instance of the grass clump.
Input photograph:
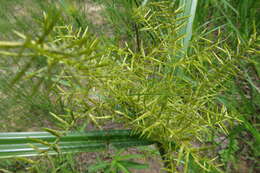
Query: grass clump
(149, 77)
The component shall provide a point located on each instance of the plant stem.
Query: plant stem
(137, 38)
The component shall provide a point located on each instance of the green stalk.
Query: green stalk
(25, 144)
(189, 10)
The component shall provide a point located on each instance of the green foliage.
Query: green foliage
(18, 103)
(118, 163)
(154, 100)
(238, 21)
(61, 163)
(138, 78)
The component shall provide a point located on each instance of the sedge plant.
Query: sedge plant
(166, 98)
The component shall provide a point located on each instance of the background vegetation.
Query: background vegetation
(233, 25)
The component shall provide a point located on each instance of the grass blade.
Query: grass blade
(16, 144)
(189, 10)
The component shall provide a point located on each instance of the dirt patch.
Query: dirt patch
(94, 13)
